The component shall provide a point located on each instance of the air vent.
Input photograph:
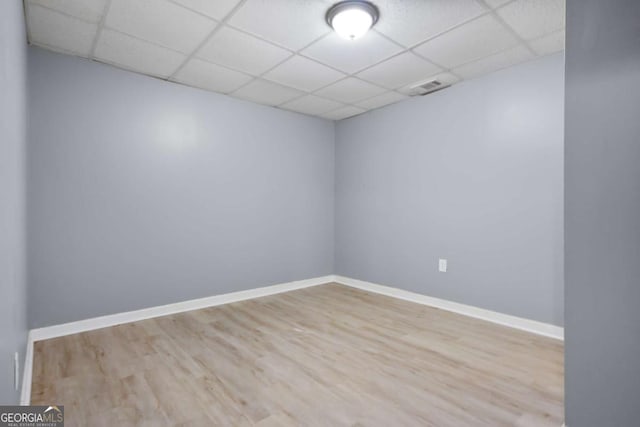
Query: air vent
(422, 89)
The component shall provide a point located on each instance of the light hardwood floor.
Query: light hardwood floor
(328, 355)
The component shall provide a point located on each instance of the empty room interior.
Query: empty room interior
(320, 213)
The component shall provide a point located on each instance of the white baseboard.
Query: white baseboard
(164, 310)
(528, 325)
(27, 372)
(148, 313)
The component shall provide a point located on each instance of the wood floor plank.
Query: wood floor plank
(326, 355)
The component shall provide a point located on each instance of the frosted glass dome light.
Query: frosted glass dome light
(352, 19)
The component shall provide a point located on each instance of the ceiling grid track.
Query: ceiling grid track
(103, 18)
(371, 76)
(208, 37)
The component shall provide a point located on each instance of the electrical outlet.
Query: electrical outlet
(442, 265)
(16, 370)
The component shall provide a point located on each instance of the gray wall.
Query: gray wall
(472, 174)
(143, 192)
(603, 213)
(13, 61)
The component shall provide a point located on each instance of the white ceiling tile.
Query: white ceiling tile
(160, 22)
(381, 100)
(399, 71)
(352, 55)
(264, 92)
(135, 54)
(312, 104)
(209, 76)
(549, 44)
(290, 23)
(350, 90)
(446, 78)
(343, 113)
(303, 74)
(243, 52)
(61, 32)
(495, 62)
(216, 9)
(534, 18)
(87, 10)
(412, 21)
(476, 39)
(497, 3)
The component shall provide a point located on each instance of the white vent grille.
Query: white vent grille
(422, 89)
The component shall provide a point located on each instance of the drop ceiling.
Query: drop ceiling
(282, 53)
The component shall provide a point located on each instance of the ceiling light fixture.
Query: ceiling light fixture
(352, 19)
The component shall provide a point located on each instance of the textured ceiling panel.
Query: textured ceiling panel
(479, 38)
(241, 51)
